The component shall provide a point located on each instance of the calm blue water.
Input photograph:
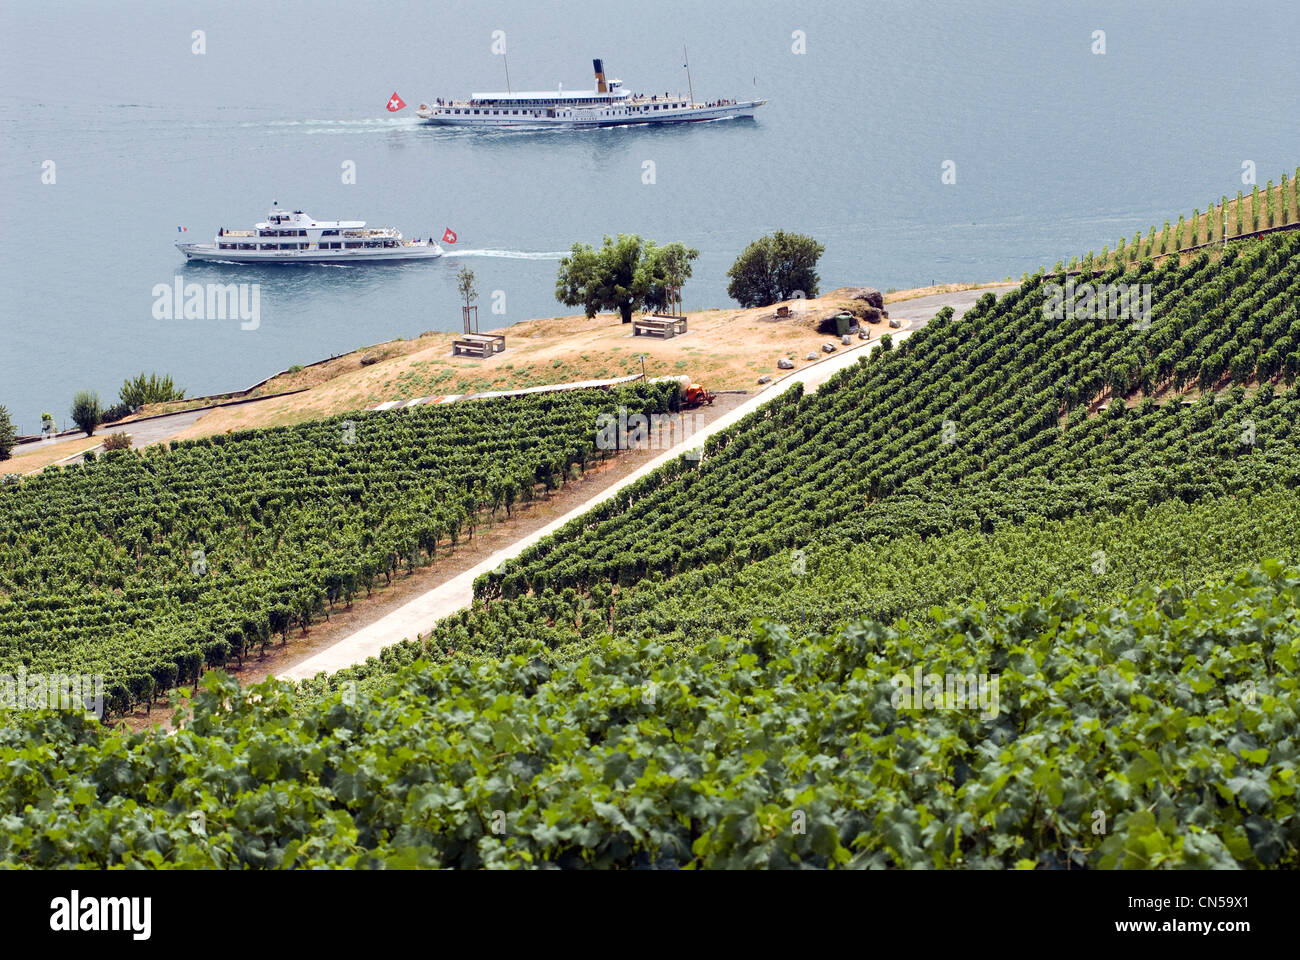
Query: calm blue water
(1057, 151)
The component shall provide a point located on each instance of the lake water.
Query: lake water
(1057, 150)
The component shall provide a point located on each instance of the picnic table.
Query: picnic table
(659, 325)
(478, 345)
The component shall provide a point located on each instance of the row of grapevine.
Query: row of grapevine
(1174, 715)
(1271, 208)
(962, 427)
(147, 566)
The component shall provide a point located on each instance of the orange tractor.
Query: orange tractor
(697, 396)
(693, 395)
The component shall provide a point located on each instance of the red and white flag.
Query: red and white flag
(395, 103)
(448, 236)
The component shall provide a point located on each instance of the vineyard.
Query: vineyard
(1102, 513)
(1269, 208)
(1170, 718)
(149, 566)
(975, 424)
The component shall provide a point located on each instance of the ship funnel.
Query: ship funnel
(599, 67)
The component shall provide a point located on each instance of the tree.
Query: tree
(668, 268)
(624, 275)
(775, 268)
(86, 411)
(7, 436)
(465, 284)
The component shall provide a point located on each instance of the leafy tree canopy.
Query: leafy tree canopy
(775, 268)
(623, 275)
(465, 283)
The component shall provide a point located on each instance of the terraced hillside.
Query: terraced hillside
(1098, 514)
(148, 565)
(980, 423)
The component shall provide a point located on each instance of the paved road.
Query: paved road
(420, 614)
(921, 310)
(143, 432)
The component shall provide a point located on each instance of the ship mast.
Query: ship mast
(687, 65)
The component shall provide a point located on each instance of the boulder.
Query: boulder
(765, 379)
(369, 359)
(869, 295)
(828, 348)
(811, 356)
(895, 323)
(846, 339)
(785, 363)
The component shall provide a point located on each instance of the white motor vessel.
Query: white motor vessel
(295, 237)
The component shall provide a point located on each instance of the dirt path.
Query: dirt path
(456, 592)
(489, 540)
(415, 602)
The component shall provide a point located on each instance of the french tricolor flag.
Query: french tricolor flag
(181, 229)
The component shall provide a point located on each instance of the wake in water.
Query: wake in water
(508, 254)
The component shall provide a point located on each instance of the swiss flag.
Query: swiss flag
(395, 103)
(448, 236)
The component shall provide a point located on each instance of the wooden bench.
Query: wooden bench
(659, 325)
(479, 345)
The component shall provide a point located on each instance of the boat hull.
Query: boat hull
(594, 119)
(208, 251)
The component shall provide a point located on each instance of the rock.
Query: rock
(785, 364)
(872, 315)
(846, 339)
(895, 323)
(870, 295)
(764, 379)
(863, 335)
(828, 348)
(369, 359)
(811, 356)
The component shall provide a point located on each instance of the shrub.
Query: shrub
(117, 441)
(7, 436)
(117, 411)
(152, 389)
